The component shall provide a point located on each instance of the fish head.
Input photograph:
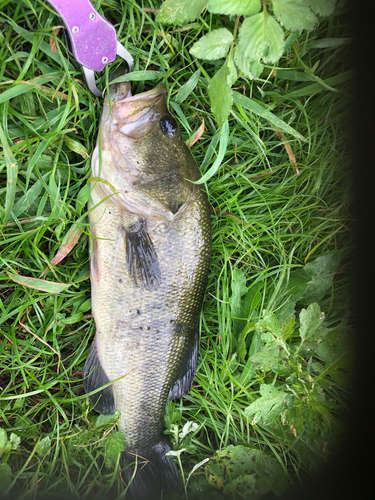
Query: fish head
(143, 155)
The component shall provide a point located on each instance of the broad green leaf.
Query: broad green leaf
(82, 198)
(3, 439)
(188, 87)
(37, 284)
(294, 15)
(44, 446)
(319, 275)
(180, 11)
(219, 90)
(14, 441)
(234, 7)
(311, 321)
(12, 172)
(106, 420)
(214, 45)
(288, 327)
(322, 7)
(114, 445)
(251, 69)
(224, 138)
(261, 36)
(250, 104)
(268, 406)
(5, 476)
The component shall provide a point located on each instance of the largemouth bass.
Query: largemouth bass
(150, 250)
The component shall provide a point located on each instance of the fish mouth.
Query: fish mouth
(135, 115)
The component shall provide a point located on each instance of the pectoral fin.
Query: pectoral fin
(142, 261)
(184, 378)
(94, 377)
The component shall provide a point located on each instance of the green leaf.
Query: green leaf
(139, 76)
(28, 198)
(251, 69)
(12, 172)
(241, 340)
(180, 11)
(256, 108)
(327, 43)
(269, 406)
(294, 15)
(189, 86)
(322, 7)
(114, 445)
(106, 420)
(5, 476)
(44, 446)
(288, 327)
(320, 274)
(14, 441)
(219, 91)
(76, 146)
(311, 320)
(261, 36)
(239, 288)
(37, 284)
(3, 439)
(224, 138)
(214, 45)
(234, 7)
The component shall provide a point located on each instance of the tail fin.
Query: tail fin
(151, 474)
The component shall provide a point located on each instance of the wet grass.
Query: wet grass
(269, 218)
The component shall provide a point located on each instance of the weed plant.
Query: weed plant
(274, 371)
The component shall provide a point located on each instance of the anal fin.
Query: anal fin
(184, 378)
(94, 377)
(141, 257)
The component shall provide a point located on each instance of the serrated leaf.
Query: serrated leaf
(234, 7)
(106, 420)
(322, 7)
(261, 36)
(180, 11)
(14, 441)
(214, 45)
(294, 15)
(3, 439)
(44, 446)
(268, 406)
(311, 320)
(220, 95)
(114, 445)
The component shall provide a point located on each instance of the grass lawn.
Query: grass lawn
(273, 385)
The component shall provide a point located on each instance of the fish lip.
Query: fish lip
(158, 91)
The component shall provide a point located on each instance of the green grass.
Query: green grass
(268, 221)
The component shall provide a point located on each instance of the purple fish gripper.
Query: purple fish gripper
(91, 39)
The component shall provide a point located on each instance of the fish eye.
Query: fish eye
(168, 126)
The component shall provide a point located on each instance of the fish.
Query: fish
(150, 247)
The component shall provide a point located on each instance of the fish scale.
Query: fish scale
(150, 250)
